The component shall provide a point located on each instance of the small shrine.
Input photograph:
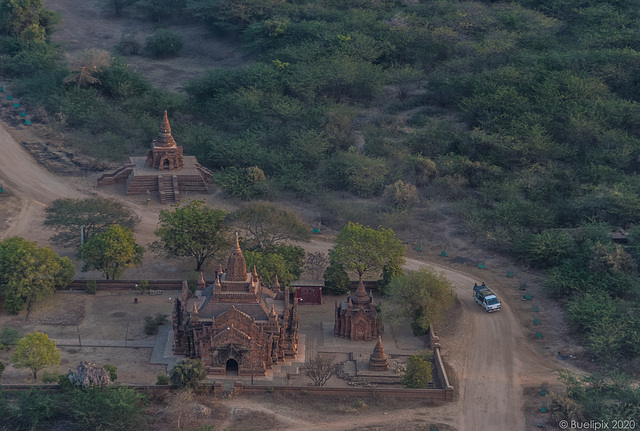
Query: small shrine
(378, 360)
(357, 318)
(165, 170)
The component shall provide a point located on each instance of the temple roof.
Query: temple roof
(360, 297)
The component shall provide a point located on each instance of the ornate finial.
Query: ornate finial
(195, 309)
(201, 282)
(272, 313)
(276, 285)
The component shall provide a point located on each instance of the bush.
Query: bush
(143, 286)
(49, 377)
(400, 195)
(112, 370)
(151, 323)
(245, 183)
(162, 379)
(163, 44)
(1, 369)
(91, 287)
(187, 373)
(418, 373)
(9, 337)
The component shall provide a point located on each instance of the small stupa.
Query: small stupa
(378, 360)
(165, 170)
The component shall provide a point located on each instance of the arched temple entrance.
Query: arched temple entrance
(231, 367)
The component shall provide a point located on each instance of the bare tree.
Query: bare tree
(315, 264)
(319, 369)
(86, 66)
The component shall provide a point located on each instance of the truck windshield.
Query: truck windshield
(492, 301)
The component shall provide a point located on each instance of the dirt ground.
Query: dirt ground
(86, 26)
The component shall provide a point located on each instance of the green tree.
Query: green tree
(29, 273)
(27, 19)
(266, 225)
(544, 250)
(187, 373)
(423, 295)
(336, 279)
(362, 249)
(192, 231)
(114, 408)
(67, 216)
(418, 374)
(112, 252)
(35, 351)
(285, 261)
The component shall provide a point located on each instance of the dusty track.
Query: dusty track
(491, 358)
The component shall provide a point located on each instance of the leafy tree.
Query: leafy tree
(390, 271)
(336, 279)
(27, 19)
(115, 408)
(544, 250)
(319, 369)
(192, 231)
(418, 374)
(112, 252)
(243, 183)
(423, 295)
(9, 337)
(67, 216)
(285, 261)
(35, 351)
(362, 249)
(29, 273)
(403, 78)
(1, 370)
(35, 409)
(268, 225)
(187, 373)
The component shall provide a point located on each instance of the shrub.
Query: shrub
(128, 44)
(418, 373)
(143, 286)
(400, 195)
(49, 377)
(1, 369)
(163, 43)
(112, 370)
(162, 379)
(91, 287)
(245, 183)
(9, 337)
(151, 323)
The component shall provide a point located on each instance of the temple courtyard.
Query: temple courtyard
(108, 328)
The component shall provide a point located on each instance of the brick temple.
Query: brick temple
(236, 325)
(357, 318)
(165, 170)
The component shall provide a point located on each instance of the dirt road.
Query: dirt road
(491, 358)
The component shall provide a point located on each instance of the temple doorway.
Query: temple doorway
(166, 164)
(231, 367)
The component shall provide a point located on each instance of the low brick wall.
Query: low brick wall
(427, 394)
(126, 284)
(434, 343)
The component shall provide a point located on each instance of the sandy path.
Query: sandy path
(492, 359)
